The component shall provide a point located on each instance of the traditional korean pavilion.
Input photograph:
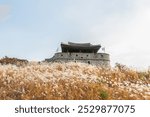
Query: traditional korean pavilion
(81, 48)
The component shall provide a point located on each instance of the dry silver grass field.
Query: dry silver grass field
(72, 81)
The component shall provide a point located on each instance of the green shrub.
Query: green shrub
(103, 95)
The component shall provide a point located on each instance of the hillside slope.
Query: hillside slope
(72, 81)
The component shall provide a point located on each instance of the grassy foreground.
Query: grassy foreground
(72, 81)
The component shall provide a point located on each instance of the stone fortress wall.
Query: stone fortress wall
(90, 58)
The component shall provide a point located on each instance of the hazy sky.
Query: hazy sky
(33, 29)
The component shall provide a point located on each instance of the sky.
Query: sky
(34, 29)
